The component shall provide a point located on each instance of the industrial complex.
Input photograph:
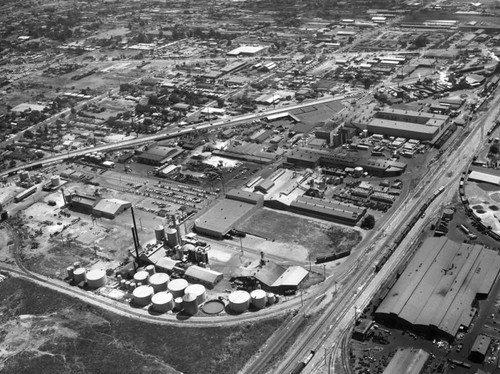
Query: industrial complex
(435, 294)
(310, 186)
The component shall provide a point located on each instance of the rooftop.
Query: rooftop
(440, 283)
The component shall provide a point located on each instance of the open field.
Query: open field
(43, 329)
(318, 238)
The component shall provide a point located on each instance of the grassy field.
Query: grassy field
(42, 331)
(319, 238)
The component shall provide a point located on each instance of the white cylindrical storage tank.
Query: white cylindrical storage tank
(127, 285)
(118, 277)
(259, 299)
(76, 264)
(239, 301)
(160, 233)
(177, 287)
(198, 290)
(133, 285)
(270, 298)
(70, 270)
(141, 277)
(150, 269)
(55, 180)
(96, 279)
(171, 235)
(358, 171)
(178, 303)
(162, 302)
(142, 295)
(159, 282)
(190, 304)
(79, 275)
(123, 283)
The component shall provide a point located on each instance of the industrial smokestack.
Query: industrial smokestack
(135, 225)
(136, 245)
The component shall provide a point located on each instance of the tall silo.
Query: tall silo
(160, 233)
(79, 275)
(190, 304)
(172, 240)
(151, 270)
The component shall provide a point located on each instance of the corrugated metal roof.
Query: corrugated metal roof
(439, 284)
(292, 276)
(203, 274)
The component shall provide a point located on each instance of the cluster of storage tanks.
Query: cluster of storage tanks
(240, 301)
(149, 287)
(94, 278)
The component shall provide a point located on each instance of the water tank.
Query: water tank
(270, 298)
(162, 302)
(276, 299)
(198, 290)
(142, 295)
(172, 239)
(150, 269)
(79, 275)
(177, 287)
(70, 270)
(259, 299)
(160, 233)
(141, 277)
(55, 180)
(123, 284)
(76, 264)
(96, 279)
(239, 301)
(448, 214)
(358, 172)
(159, 281)
(190, 304)
(133, 285)
(178, 303)
(127, 285)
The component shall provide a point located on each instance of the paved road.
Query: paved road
(333, 324)
(171, 133)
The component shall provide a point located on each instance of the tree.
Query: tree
(494, 149)
(220, 102)
(368, 222)
(421, 41)
(28, 134)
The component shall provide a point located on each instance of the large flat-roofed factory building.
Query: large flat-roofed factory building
(409, 124)
(227, 213)
(435, 294)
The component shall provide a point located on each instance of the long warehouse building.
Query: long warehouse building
(436, 292)
(409, 124)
